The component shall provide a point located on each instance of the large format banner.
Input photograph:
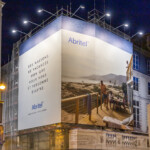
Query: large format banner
(94, 81)
(75, 72)
(40, 84)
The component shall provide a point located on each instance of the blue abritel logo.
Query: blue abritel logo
(78, 42)
(37, 106)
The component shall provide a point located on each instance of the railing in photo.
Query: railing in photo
(79, 106)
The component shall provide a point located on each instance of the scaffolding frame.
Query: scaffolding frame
(10, 70)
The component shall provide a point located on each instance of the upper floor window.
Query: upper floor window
(136, 103)
(148, 66)
(148, 88)
(135, 83)
(135, 61)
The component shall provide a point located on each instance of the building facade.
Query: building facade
(138, 86)
(62, 135)
(141, 83)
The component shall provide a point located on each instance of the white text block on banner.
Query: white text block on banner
(40, 84)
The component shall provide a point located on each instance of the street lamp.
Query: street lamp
(105, 15)
(80, 7)
(27, 21)
(40, 10)
(2, 87)
(138, 33)
(43, 10)
(14, 31)
(125, 25)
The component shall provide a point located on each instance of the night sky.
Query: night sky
(134, 12)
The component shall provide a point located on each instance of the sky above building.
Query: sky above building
(134, 12)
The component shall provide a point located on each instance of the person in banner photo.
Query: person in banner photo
(104, 94)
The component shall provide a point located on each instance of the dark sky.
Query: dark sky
(135, 12)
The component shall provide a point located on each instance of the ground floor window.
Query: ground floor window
(136, 113)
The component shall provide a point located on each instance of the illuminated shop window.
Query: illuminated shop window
(135, 61)
(135, 83)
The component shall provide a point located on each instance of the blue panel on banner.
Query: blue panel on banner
(78, 26)
(41, 35)
(91, 29)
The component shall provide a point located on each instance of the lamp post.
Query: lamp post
(105, 15)
(14, 31)
(80, 7)
(27, 21)
(125, 25)
(138, 33)
(43, 10)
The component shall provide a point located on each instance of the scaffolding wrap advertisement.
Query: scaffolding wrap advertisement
(39, 84)
(94, 82)
(75, 75)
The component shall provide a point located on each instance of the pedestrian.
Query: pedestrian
(104, 94)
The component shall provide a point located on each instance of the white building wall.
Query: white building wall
(142, 96)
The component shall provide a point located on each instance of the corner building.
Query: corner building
(43, 109)
(141, 87)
